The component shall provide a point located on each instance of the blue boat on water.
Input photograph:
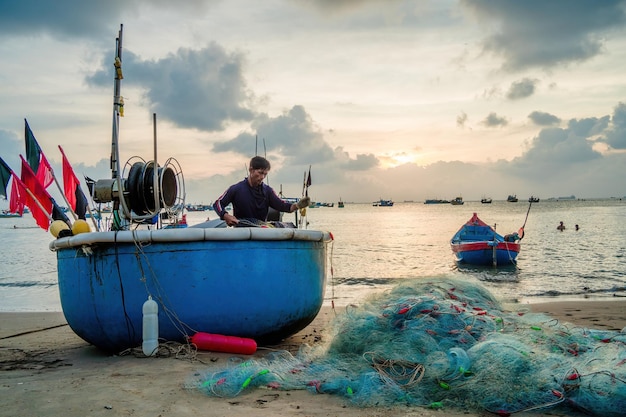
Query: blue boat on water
(477, 243)
(264, 283)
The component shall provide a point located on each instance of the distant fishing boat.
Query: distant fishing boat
(486, 200)
(512, 198)
(436, 201)
(340, 203)
(253, 282)
(477, 243)
(533, 199)
(5, 214)
(383, 203)
(457, 201)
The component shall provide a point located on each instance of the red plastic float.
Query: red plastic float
(221, 343)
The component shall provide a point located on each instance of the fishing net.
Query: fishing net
(444, 343)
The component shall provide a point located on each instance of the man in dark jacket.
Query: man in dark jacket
(251, 198)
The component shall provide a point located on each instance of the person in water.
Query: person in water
(252, 199)
(561, 226)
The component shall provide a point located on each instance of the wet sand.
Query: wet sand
(46, 370)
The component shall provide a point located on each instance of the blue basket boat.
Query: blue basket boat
(257, 282)
(260, 283)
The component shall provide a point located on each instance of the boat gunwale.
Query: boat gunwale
(190, 235)
(479, 245)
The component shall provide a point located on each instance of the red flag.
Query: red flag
(16, 204)
(37, 200)
(36, 159)
(44, 173)
(38, 211)
(71, 188)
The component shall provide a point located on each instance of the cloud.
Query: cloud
(362, 162)
(493, 120)
(203, 89)
(588, 126)
(543, 34)
(292, 135)
(615, 137)
(12, 147)
(555, 152)
(461, 119)
(521, 89)
(79, 18)
(544, 119)
(62, 19)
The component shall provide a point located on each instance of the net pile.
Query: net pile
(445, 343)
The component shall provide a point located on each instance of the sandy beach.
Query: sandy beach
(45, 369)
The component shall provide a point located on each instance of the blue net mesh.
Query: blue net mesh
(445, 343)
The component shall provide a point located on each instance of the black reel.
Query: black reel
(139, 187)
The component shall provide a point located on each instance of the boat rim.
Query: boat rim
(190, 235)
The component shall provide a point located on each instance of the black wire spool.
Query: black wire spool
(140, 187)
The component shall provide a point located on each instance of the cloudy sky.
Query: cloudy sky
(395, 99)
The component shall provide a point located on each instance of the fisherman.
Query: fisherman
(252, 199)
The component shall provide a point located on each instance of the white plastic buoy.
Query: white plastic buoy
(150, 327)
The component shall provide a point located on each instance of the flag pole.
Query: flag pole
(30, 193)
(93, 221)
(303, 211)
(74, 215)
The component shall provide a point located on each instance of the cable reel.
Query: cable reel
(174, 210)
(139, 190)
(135, 190)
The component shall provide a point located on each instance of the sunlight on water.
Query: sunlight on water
(383, 245)
(376, 248)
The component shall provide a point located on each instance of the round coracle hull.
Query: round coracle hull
(264, 284)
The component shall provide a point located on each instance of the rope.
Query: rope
(403, 373)
(526, 219)
(167, 349)
(160, 297)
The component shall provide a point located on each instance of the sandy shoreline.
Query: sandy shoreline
(45, 369)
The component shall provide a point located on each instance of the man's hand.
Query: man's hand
(303, 202)
(230, 219)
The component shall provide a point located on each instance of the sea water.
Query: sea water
(375, 248)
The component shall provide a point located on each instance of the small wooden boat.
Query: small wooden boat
(486, 200)
(436, 201)
(477, 243)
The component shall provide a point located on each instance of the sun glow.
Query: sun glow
(397, 159)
